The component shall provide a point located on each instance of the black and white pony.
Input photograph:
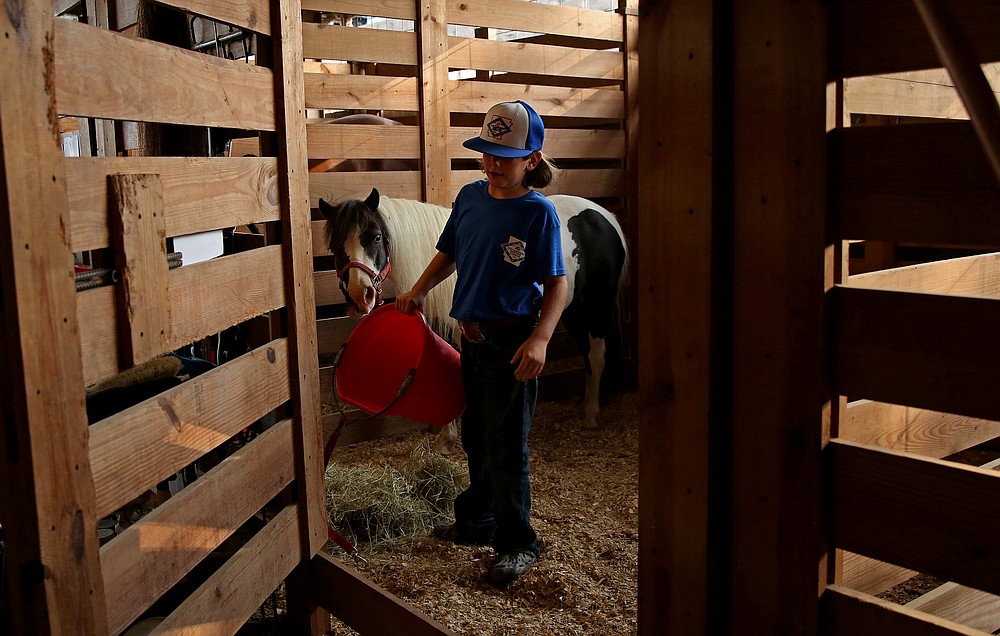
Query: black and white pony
(382, 238)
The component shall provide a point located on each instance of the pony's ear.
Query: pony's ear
(326, 209)
(372, 200)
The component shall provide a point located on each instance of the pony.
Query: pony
(381, 238)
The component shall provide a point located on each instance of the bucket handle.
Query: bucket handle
(404, 385)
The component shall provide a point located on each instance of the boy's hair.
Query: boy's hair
(544, 173)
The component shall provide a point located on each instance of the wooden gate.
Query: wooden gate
(64, 471)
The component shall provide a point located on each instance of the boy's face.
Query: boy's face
(507, 175)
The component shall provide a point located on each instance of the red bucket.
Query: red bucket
(393, 364)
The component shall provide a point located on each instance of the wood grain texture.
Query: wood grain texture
(224, 602)
(903, 348)
(149, 557)
(52, 577)
(846, 612)
(140, 80)
(140, 249)
(911, 518)
(199, 193)
(254, 15)
(137, 448)
(918, 184)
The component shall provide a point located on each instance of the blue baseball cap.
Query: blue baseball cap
(510, 129)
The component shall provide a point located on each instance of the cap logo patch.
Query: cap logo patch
(499, 126)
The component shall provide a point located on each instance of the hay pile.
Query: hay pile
(373, 504)
(585, 510)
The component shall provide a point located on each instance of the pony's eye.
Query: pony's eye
(378, 238)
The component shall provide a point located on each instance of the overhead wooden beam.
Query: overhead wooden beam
(954, 51)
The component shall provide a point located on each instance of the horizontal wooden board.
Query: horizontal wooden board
(148, 558)
(364, 606)
(199, 193)
(923, 350)
(464, 96)
(560, 143)
(361, 92)
(962, 605)
(538, 18)
(134, 450)
(914, 430)
(335, 186)
(925, 514)
(242, 584)
(401, 9)
(253, 15)
(331, 333)
(871, 576)
(891, 96)
(977, 275)
(205, 299)
(361, 141)
(333, 42)
(103, 74)
(928, 93)
(536, 59)
(889, 36)
(846, 612)
(327, 284)
(927, 184)
(470, 96)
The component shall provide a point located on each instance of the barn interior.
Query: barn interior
(807, 191)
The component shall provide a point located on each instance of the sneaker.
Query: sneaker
(449, 532)
(510, 566)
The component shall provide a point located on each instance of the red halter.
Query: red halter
(377, 278)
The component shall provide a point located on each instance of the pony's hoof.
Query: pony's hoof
(590, 422)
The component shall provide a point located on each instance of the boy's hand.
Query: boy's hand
(529, 358)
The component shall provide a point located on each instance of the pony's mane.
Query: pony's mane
(416, 227)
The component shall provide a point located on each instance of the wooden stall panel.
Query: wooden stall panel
(122, 212)
(137, 448)
(929, 93)
(193, 523)
(927, 184)
(199, 193)
(922, 350)
(148, 81)
(242, 286)
(911, 518)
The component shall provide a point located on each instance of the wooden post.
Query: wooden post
(675, 215)
(779, 389)
(52, 576)
(300, 303)
(432, 27)
(630, 51)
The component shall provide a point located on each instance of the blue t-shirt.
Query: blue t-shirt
(503, 250)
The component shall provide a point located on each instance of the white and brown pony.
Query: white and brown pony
(381, 238)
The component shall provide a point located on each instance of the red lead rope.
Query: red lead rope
(330, 530)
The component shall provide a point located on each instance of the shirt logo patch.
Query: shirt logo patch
(499, 126)
(513, 251)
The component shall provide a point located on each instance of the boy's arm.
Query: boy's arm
(441, 267)
(530, 357)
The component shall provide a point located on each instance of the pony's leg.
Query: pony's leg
(592, 392)
(446, 438)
